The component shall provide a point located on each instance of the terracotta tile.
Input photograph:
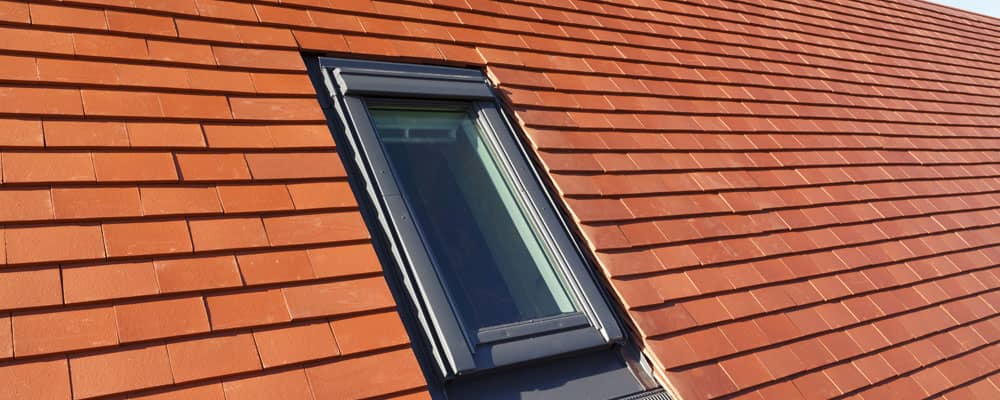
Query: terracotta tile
(195, 106)
(142, 238)
(210, 391)
(295, 344)
(778, 327)
(6, 339)
(364, 377)
(744, 335)
(119, 371)
(281, 385)
(170, 200)
(258, 58)
(295, 136)
(47, 167)
(238, 136)
(52, 332)
(25, 205)
(198, 273)
(336, 298)
(230, 233)
(846, 377)
(53, 243)
(781, 361)
(212, 167)
(30, 287)
(77, 71)
(35, 40)
(704, 382)
(707, 310)
(812, 353)
(783, 390)
(212, 357)
(148, 167)
(867, 337)
(816, 385)
(874, 367)
(54, 372)
(253, 308)
(315, 195)
(931, 380)
(226, 10)
(41, 101)
(709, 343)
(248, 198)
(141, 23)
(808, 321)
(746, 371)
(285, 109)
(21, 132)
(69, 17)
(343, 260)
(286, 84)
(102, 202)
(160, 134)
(161, 318)
(170, 51)
(369, 332)
(315, 228)
(271, 267)
(108, 281)
(11, 11)
(152, 76)
(112, 103)
(85, 134)
(840, 345)
(295, 165)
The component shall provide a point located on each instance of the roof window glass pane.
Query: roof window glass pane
(486, 248)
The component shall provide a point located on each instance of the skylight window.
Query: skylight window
(488, 264)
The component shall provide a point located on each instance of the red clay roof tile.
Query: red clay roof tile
(6, 339)
(30, 287)
(90, 202)
(297, 343)
(213, 356)
(35, 244)
(197, 273)
(209, 391)
(179, 200)
(227, 233)
(119, 371)
(290, 384)
(366, 376)
(278, 266)
(71, 329)
(54, 372)
(156, 319)
(146, 238)
(369, 332)
(251, 308)
(336, 298)
(103, 281)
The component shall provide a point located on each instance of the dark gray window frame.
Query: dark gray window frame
(457, 352)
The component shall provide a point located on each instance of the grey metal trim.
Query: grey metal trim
(459, 351)
(655, 394)
(386, 79)
(528, 328)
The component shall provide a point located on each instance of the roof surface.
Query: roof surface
(793, 199)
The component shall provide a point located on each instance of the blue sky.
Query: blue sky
(988, 7)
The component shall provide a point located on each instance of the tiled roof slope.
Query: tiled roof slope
(793, 199)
